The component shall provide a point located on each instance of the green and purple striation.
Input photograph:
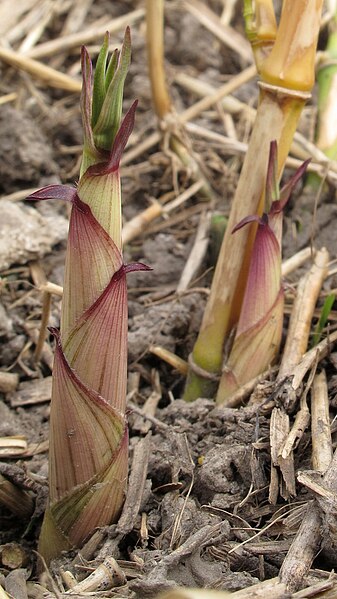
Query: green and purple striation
(258, 335)
(88, 427)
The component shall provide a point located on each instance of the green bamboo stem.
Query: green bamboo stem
(261, 28)
(326, 130)
(285, 86)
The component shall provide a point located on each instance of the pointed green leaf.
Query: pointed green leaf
(112, 66)
(323, 319)
(108, 122)
(90, 152)
(98, 93)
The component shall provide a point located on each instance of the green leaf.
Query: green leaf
(108, 122)
(323, 319)
(98, 94)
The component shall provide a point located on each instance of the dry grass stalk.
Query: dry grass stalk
(185, 195)
(302, 418)
(150, 406)
(193, 111)
(14, 499)
(164, 354)
(301, 147)
(179, 217)
(106, 576)
(76, 16)
(296, 344)
(326, 170)
(136, 225)
(325, 589)
(309, 537)
(224, 90)
(230, 143)
(226, 34)
(300, 321)
(177, 138)
(297, 260)
(75, 40)
(268, 588)
(279, 431)
(12, 13)
(41, 71)
(203, 89)
(137, 481)
(155, 49)
(46, 305)
(197, 253)
(320, 424)
(318, 352)
(52, 288)
(74, 22)
(306, 543)
(15, 445)
(35, 29)
(18, 195)
(195, 594)
(242, 394)
(303, 549)
(16, 583)
(8, 98)
(28, 26)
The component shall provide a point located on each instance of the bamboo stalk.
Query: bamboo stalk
(278, 112)
(285, 86)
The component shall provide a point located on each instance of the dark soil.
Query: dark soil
(208, 467)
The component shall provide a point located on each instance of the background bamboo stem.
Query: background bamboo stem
(284, 91)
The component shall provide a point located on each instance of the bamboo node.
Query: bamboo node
(286, 91)
(205, 374)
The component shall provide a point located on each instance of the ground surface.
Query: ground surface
(207, 468)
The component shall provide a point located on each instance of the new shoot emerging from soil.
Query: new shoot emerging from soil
(88, 428)
(259, 330)
(284, 58)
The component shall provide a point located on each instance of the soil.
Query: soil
(206, 468)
